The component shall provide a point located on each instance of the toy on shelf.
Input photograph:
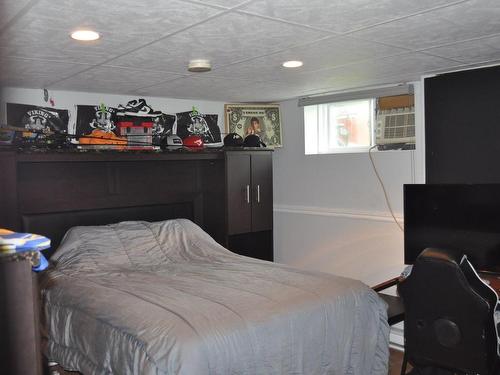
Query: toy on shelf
(102, 135)
(101, 139)
(27, 244)
(136, 122)
(139, 135)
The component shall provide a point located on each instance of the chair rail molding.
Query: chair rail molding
(337, 212)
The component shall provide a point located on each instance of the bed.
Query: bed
(164, 298)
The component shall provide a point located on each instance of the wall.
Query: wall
(330, 214)
(68, 100)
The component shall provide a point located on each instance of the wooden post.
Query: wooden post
(19, 338)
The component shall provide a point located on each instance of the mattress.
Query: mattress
(165, 298)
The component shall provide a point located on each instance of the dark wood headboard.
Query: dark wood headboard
(50, 192)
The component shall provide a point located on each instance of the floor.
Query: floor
(395, 361)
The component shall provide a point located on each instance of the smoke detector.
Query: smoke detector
(199, 66)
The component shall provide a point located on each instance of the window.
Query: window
(355, 124)
(338, 127)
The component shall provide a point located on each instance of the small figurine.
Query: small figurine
(13, 242)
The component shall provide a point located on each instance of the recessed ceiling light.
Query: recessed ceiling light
(292, 64)
(85, 35)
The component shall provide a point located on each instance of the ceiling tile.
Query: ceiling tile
(222, 3)
(408, 64)
(113, 80)
(195, 87)
(9, 9)
(44, 42)
(30, 81)
(472, 51)
(466, 20)
(323, 54)
(407, 67)
(44, 31)
(40, 73)
(246, 49)
(226, 39)
(266, 92)
(221, 89)
(238, 90)
(339, 15)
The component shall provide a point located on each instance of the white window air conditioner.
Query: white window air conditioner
(395, 126)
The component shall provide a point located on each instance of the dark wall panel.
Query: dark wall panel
(462, 127)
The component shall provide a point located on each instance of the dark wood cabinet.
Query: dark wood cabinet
(262, 191)
(238, 187)
(249, 203)
(228, 193)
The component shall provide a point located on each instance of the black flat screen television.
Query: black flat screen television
(465, 218)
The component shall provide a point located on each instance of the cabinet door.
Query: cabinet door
(262, 191)
(239, 194)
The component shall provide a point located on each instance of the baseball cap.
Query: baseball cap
(253, 140)
(233, 140)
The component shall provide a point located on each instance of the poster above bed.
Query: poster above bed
(195, 123)
(96, 119)
(130, 125)
(41, 120)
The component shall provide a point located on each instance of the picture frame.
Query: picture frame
(261, 119)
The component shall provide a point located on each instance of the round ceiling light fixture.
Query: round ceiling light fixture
(293, 64)
(85, 35)
(199, 66)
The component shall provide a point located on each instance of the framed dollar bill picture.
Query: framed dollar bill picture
(261, 119)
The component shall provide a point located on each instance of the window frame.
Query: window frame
(345, 149)
(374, 94)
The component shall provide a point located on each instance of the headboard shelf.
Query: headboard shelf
(113, 156)
(49, 192)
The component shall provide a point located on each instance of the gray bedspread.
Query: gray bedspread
(165, 298)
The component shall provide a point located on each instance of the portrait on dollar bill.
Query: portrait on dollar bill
(263, 120)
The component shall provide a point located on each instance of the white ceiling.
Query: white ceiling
(146, 45)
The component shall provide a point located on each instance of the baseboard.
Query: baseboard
(396, 338)
(336, 212)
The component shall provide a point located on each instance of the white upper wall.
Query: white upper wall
(342, 181)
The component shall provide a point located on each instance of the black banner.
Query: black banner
(38, 119)
(162, 126)
(91, 117)
(195, 123)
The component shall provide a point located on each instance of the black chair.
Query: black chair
(395, 307)
(449, 317)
